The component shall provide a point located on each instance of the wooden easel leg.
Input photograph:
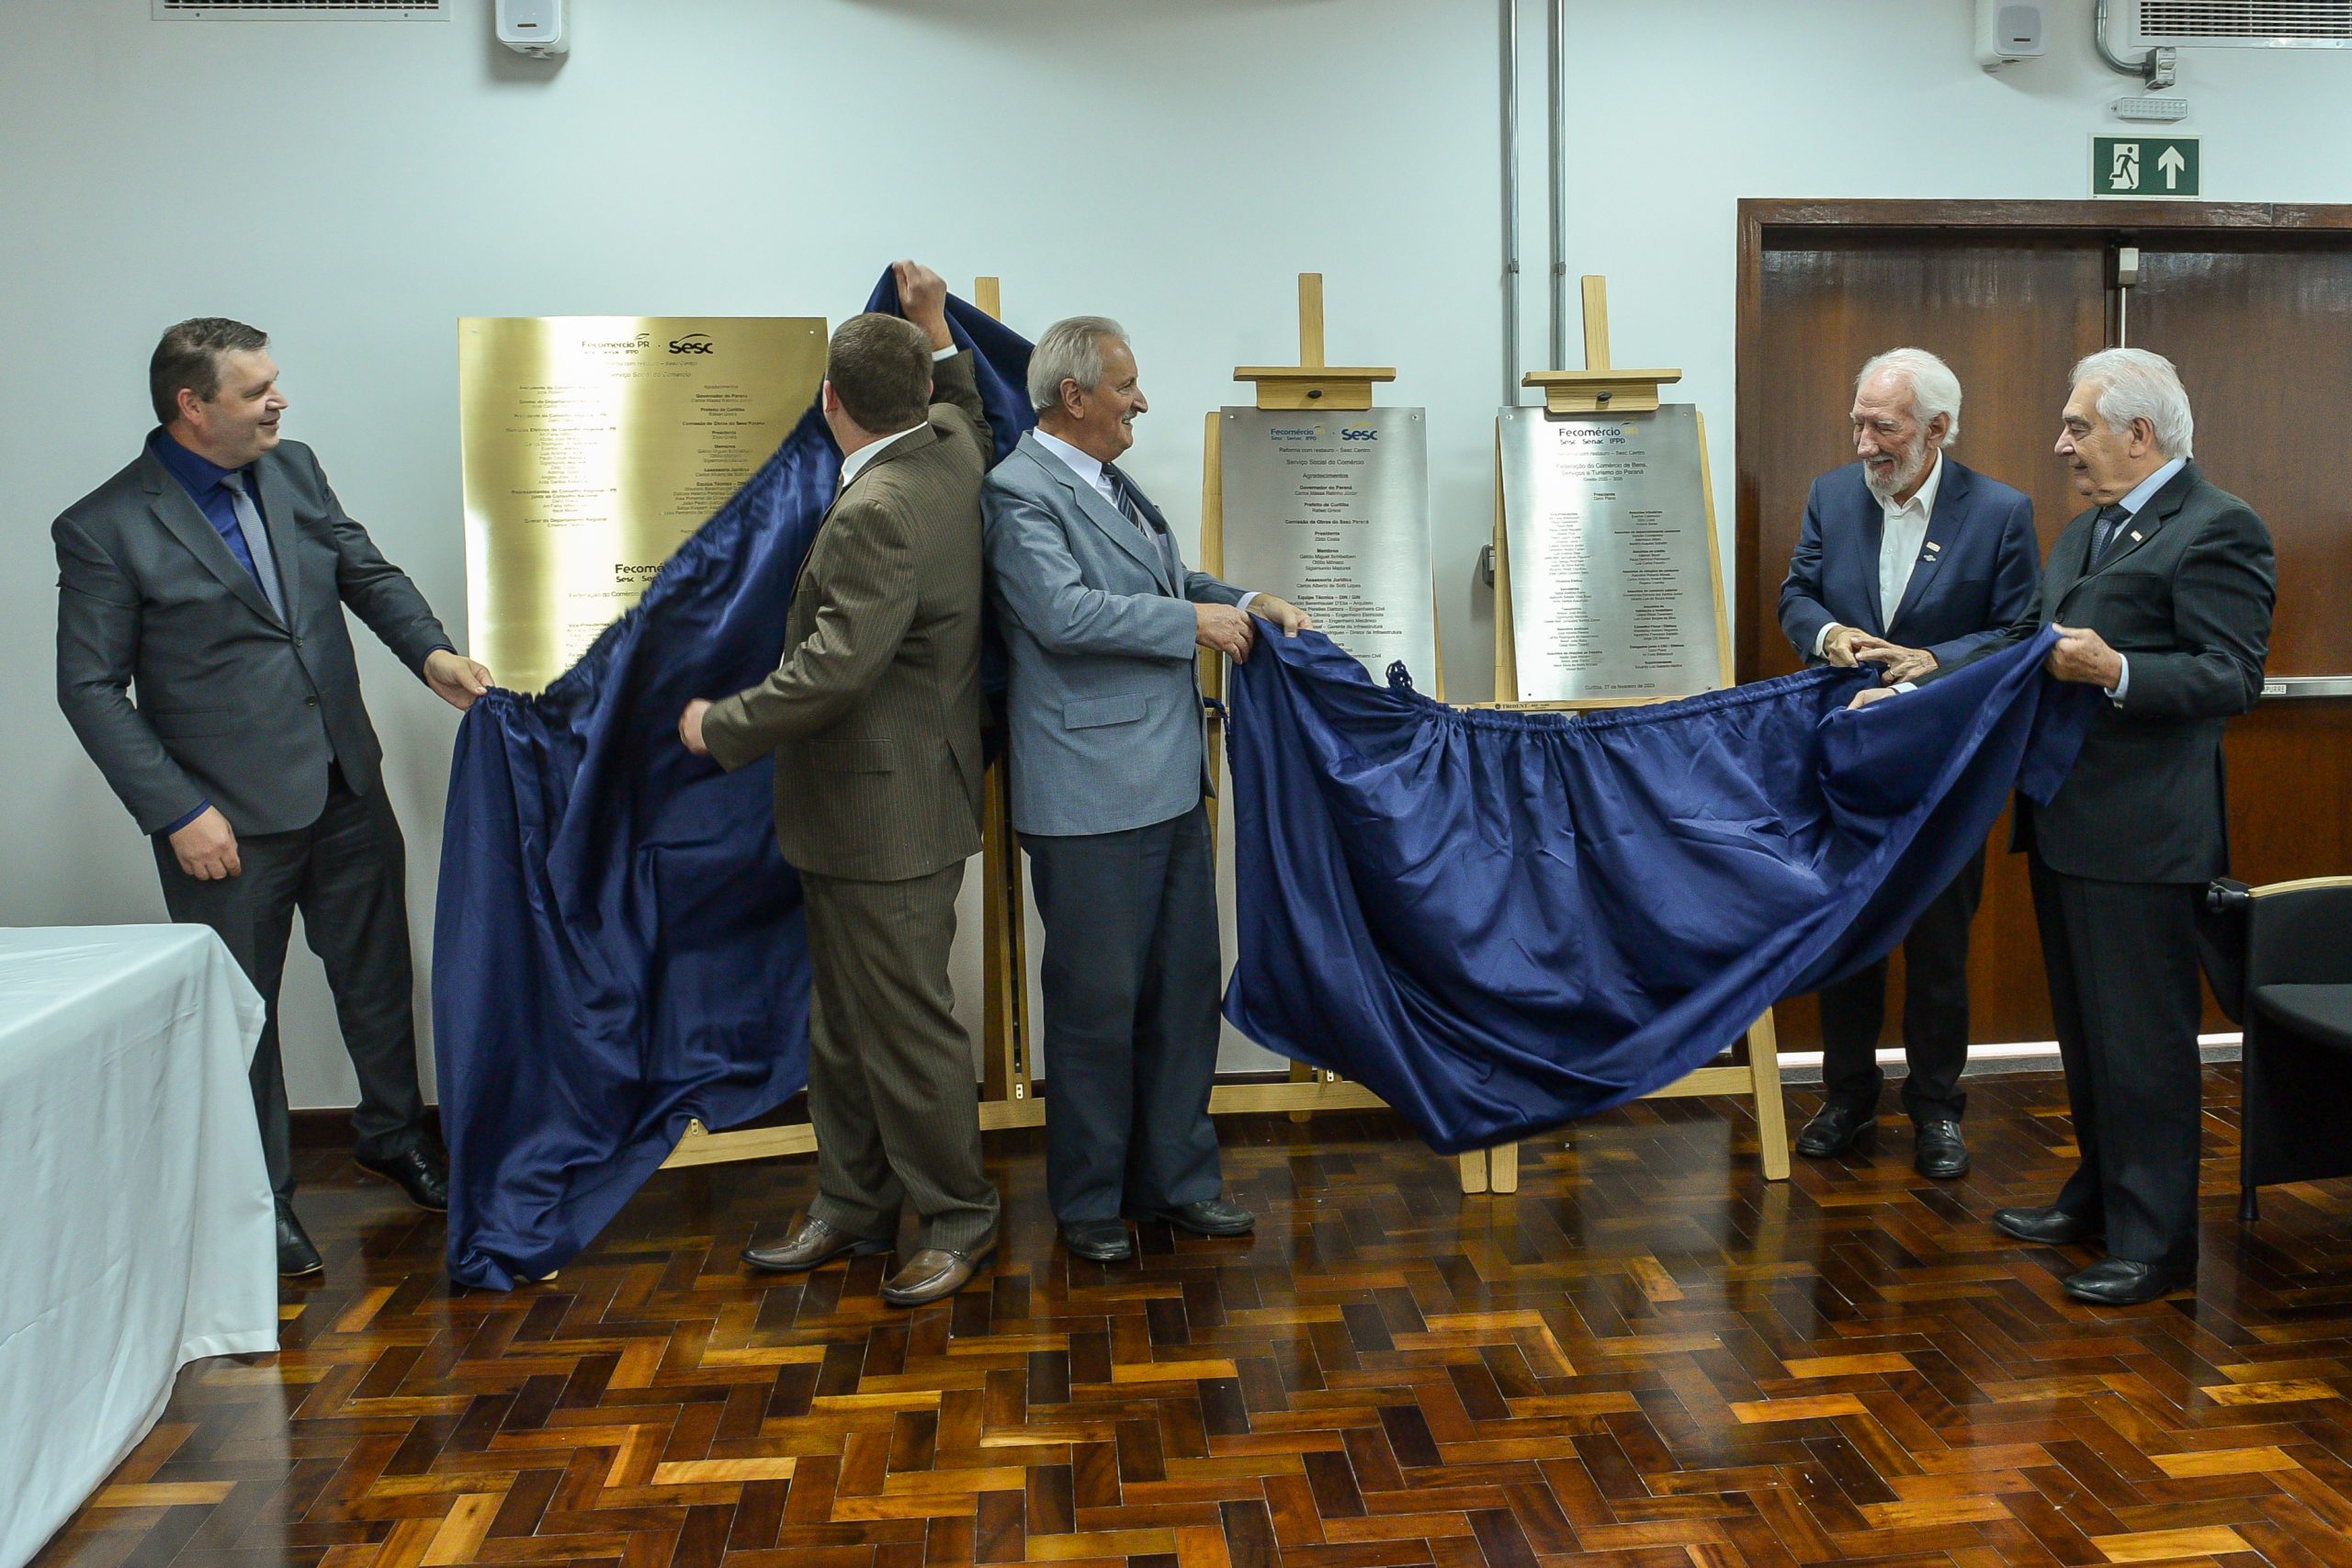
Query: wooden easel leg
(1771, 1114)
(1300, 1072)
(1474, 1171)
(1006, 1070)
(1502, 1168)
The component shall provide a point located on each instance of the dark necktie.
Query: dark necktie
(255, 538)
(2111, 523)
(1122, 496)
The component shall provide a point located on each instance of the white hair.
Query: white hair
(1934, 388)
(1069, 350)
(2135, 384)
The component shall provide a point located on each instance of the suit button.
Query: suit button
(310, 702)
(298, 642)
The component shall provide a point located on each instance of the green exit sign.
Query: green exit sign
(2160, 168)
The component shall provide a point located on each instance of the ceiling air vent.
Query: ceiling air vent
(304, 10)
(2253, 24)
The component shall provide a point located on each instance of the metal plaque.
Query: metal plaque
(1612, 554)
(1332, 512)
(593, 446)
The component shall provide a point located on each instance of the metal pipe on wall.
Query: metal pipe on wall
(1555, 127)
(1511, 199)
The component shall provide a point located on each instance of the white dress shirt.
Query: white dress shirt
(1902, 533)
(855, 464)
(1090, 468)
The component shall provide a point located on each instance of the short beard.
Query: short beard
(1913, 469)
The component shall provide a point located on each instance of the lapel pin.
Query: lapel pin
(2135, 535)
(1933, 546)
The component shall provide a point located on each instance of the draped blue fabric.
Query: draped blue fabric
(1500, 921)
(619, 946)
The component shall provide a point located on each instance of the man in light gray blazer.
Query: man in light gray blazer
(210, 577)
(1102, 621)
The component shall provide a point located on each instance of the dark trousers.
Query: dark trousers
(1935, 1011)
(2122, 964)
(891, 1089)
(1130, 983)
(346, 872)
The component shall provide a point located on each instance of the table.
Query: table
(136, 1228)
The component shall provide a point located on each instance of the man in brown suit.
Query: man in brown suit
(874, 718)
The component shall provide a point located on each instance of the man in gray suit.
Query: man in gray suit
(1102, 620)
(212, 574)
(873, 717)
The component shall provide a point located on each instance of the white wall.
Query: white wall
(355, 187)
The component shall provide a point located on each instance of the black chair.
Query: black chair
(2281, 961)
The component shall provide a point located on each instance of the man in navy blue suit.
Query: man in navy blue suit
(1909, 560)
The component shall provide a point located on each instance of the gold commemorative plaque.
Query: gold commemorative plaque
(594, 446)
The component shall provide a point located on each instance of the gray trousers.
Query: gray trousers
(346, 872)
(1130, 981)
(891, 1089)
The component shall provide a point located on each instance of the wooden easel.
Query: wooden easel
(1600, 387)
(1309, 384)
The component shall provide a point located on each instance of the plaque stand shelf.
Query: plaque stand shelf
(1600, 388)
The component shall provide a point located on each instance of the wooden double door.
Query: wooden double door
(2254, 304)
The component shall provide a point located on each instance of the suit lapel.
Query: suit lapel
(2070, 556)
(1943, 527)
(277, 516)
(181, 517)
(1098, 510)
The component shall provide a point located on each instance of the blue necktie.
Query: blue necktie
(255, 537)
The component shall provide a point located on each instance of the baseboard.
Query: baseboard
(1802, 1067)
(331, 1129)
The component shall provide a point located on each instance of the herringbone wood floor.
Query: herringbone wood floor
(1647, 1356)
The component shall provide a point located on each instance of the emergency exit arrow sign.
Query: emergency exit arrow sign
(2146, 169)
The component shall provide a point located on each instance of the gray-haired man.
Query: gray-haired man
(1907, 543)
(1103, 620)
(2161, 593)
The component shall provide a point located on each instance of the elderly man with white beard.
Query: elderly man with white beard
(1910, 560)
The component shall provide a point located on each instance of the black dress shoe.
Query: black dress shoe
(1098, 1241)
(418, 1170)
(2052, 1227)
(1834, 1130)
(2119, 1282)
(1939, 1150)
(1210, 1216)
(297, 1258)
(811, 1243)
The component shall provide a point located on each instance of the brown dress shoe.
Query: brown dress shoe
(812, 1242)
(933, 1274)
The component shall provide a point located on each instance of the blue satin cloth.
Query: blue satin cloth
(1500, 921)
(617, 945)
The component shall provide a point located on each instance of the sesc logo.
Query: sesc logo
(1359, 433)
(693, 342)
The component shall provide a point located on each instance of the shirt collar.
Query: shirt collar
(196, 474)
(855, 463)
(1926, 498)
(1085, 466)
(2145, 491)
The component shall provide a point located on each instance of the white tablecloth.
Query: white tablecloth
(136, 1232)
